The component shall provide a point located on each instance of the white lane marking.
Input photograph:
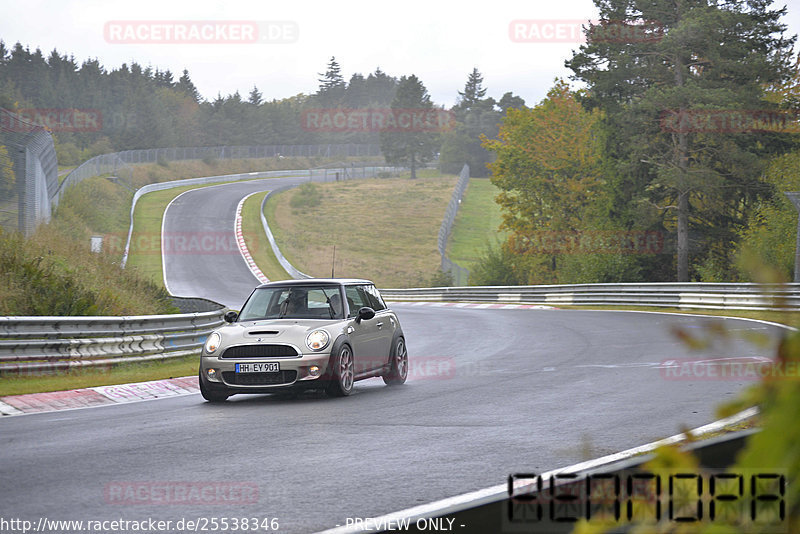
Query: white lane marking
(474, 305)
(7, 409)
(243, 250)
(163, 231)
(499, 492)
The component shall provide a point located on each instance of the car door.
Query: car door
(365, 335)
(387, 325)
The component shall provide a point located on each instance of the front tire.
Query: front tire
(398, 369)
(343, 373)
(209, 394)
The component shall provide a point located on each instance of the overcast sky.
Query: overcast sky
(438, 41)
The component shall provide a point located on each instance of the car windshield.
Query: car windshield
(293, 302)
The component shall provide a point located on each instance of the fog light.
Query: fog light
(313, 370)
(211, 373)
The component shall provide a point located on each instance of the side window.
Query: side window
(356, 298)
(376, 302)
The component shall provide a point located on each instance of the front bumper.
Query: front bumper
(293, 371)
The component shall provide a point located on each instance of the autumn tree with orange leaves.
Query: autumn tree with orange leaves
(548, 167)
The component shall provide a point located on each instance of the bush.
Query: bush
(496, 267)
(307, 195)
(441, 279)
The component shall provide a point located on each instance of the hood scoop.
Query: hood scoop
(263, 333)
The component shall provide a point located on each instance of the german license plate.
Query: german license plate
(272, 367)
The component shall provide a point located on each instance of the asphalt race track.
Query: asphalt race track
(491, 392)
(214, 269)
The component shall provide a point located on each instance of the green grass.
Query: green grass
(384, 229)
(476, 224)
(145, 251)
(84, 378)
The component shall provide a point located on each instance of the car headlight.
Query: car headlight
(212, 342)
(317, 340)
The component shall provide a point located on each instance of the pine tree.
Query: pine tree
(412, 146)
(186, 86)
(700, 56)
(255, 97)
(473, 92)
(331, 85)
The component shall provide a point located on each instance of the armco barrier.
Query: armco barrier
(663, 294)
(38, 345)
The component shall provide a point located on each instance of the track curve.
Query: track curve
(491, 392)
(213, 268)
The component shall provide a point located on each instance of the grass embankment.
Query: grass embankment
(384, 229)
(476, 225)
(54, 272)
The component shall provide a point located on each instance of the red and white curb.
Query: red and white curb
(477, 306)
(248, 259)
(97, 396)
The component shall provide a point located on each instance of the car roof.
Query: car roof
(317, 281)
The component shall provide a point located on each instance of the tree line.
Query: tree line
(144, 107)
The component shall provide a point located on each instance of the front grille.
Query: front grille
(259, 379)
(260, 351)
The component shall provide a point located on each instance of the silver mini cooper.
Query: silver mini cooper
(315, 333)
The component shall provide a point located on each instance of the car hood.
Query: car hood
(278, 330)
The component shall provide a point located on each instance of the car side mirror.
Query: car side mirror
(365, 314)
(230, 316)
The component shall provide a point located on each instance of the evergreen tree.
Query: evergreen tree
(255, 97)
(699, 57)
(411, 146)
(473, 92)
(331, 85)
(186, 86)
(509, 101)
(476, 118)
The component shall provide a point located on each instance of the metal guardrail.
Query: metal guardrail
(41, 344)
(287, 266)
(662, 294)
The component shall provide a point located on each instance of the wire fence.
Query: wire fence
(459, 274)
(28, 174)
